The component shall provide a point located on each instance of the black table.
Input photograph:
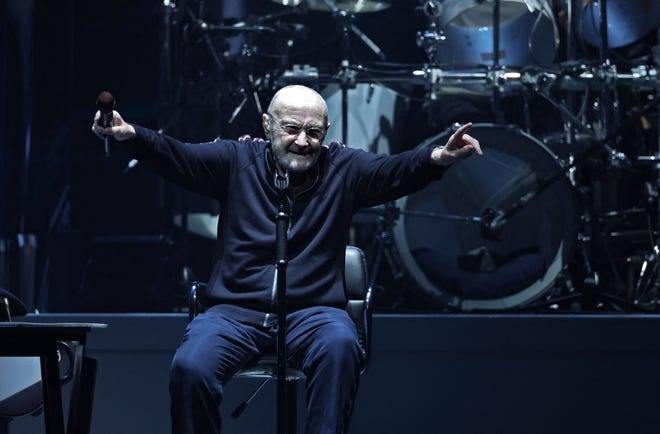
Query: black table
(40, 340)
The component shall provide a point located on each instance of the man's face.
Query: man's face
(296, 132)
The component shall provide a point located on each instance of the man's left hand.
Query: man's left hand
(460, 145)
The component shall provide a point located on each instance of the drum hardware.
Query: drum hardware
(347, 5)
(647, 277)
(541, 87)
(385, 245)
(479, 80)
(430, 40)
(346, 75)
(195, 31)
(495, 99)
(433, 36)
(604, 77)
(300, 74)
(202, 27)
(592, 295)
(252, 85)
(598, 77)
(622, 214)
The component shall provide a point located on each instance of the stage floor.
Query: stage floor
(429, 374)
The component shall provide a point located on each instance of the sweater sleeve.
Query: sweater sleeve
(200, 167)
(382, 178)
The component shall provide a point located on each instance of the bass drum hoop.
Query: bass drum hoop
(534, 291)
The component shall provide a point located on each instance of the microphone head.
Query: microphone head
(105, 102)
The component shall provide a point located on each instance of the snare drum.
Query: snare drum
(526, 37)
(454, 261)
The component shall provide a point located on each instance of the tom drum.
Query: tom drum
(527, 37)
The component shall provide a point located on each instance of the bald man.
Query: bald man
(325, 185)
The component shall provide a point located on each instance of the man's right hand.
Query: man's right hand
(119, 129)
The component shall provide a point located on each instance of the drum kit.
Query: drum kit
(554, 220)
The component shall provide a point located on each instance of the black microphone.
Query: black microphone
(105, 102)
(281, 183)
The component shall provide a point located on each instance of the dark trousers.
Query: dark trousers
(322, 341)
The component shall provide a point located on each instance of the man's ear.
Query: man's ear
(265, 123)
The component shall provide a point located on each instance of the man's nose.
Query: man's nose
(301, 138)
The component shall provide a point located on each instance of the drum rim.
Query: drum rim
(456, 8)
(521, 298)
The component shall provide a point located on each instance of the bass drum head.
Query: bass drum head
(454, 260)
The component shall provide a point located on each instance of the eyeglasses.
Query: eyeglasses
(313, 133)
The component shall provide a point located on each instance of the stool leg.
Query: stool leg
(292, 406)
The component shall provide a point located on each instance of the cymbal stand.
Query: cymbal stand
(346, 75)
(649, 278)
(198, 28)
(431, 39)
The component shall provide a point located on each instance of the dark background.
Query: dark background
(101, 237)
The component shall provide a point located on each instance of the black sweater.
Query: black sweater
(239, 174)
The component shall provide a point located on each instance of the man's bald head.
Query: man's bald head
(297, 97)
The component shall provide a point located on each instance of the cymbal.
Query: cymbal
(357, 6)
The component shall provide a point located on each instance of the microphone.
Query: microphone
(105, 102)
(281, 183)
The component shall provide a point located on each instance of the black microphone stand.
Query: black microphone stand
(281, 228)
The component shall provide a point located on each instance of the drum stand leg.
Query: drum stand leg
(647, 274)
(386, 249)
(592, 297)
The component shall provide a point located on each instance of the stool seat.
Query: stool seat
(266, 367)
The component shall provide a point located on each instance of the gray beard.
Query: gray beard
(287, 163)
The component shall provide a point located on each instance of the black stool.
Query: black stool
(358, 306)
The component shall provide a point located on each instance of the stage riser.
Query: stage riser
(429, 374)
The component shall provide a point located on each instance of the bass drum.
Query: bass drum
(458, 263)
